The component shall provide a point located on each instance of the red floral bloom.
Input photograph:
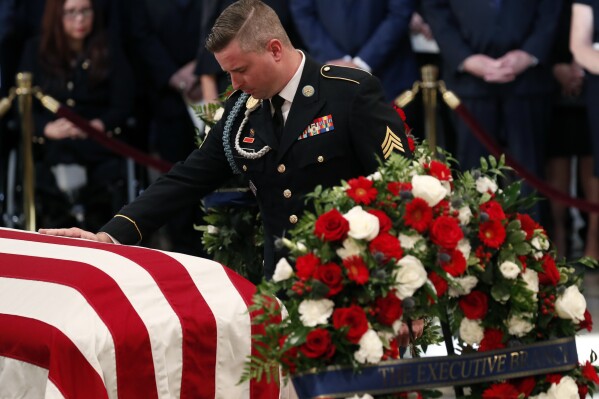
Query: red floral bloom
(446, 232)
(522, 260)
(492, 233)
(589, 372)
(361, 190)
(387, 245)
(439, 170)
(456, 266)
(442, 208)
(493, 339)
(396, 187)
(439, 282)
(418, 215)
(587, 322)
(411, 142)
(388, 309)
(354, 318)
(357, 271)
(385, 222)
(392, 352)
(583, 391)
(331, 226)
(474, 305)
(332, 276)
(550, 274)
(553, 378)
(318, 344)
(493, 209)
(305, 266)
(527, 224)
(526, 385)
(503, 390)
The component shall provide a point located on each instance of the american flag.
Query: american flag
(80, 319)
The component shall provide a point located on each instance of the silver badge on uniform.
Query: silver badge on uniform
(308, 91)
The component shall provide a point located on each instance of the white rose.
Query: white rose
(376, 176)
(465, 286)
(571, 305)
(465, 214)
(519, 326)
(484, 185)
(464, 247)
(350, 248)
(283, 271)
(218, 114)
(509, 269)
(371, 348)
(541, 244)
(428, 188)
(314, 312)
(566, 389)
(531, 278)
(362, 225)
(409, 241)
(210, 229)
(471, 332)
(410, 276)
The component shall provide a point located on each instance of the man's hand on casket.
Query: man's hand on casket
(75, 232)
(403, 338)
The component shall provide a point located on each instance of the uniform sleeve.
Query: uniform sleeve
(377, 130)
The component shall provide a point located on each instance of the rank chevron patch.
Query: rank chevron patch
(391, 143)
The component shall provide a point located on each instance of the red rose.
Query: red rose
(589, 372)
(318, 344)
(396, 187)
(492, 233)
(503, 390)
(306, 265)
(388, 309)
(587, 322)
(393, 351)
(553, 378)
(354, 318)
(493, 339)
(439, 170)
(493, 209)
(446, 232)
(418, 215)
(526, 385)
(387, 245)
(357, 271)
(474, 305)
(456, 266)
(527, 224)
(361, 190)
(332, 276)
(550, 274)
(385, 222)
(331, 226)
(439, 282)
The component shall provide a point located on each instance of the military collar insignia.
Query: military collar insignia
(252, 104)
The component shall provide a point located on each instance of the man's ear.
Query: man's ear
(275, 47)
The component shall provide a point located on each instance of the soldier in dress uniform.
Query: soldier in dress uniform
(325, 123)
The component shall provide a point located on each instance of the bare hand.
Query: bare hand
(75, 232)
(417, 25)
(517, 60)
(486, 68)
(184, 79)
(570, 77)
(403, 338)
(62, 128)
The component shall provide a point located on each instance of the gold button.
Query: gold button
(327, 68)
(293, 219)
(320, 159)
(70, 86)
(71, 102)
(281, 168)
(287, 193)
(245, 168)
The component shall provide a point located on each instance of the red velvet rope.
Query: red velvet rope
(112, 144)
(494, 148)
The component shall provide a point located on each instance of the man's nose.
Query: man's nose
(236, 82)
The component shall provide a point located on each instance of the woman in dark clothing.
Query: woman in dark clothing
(74, 62)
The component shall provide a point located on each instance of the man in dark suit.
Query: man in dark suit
(495, 55)
(329, 124)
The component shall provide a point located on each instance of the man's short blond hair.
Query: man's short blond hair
(251, 22)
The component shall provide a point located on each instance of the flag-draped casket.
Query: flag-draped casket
(80, 319)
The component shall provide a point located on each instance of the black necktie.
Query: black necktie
(277, 118)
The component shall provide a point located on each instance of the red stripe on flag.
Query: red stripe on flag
(196, 317)
(262, 389)
(133, 351)
(36, 341)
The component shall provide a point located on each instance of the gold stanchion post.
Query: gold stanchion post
(430, 73)
(24, 92)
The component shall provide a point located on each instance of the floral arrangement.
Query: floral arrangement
(416, 240)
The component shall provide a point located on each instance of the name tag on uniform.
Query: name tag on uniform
(318, 126)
